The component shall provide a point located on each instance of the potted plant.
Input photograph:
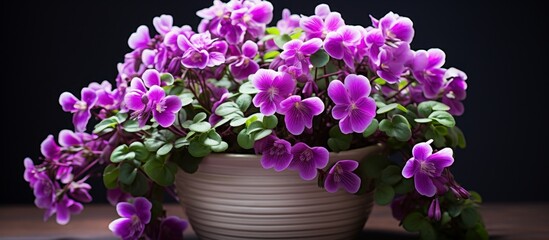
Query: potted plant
(290, 131)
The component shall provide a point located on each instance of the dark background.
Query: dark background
(55, 46)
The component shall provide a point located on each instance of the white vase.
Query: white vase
(232, 197)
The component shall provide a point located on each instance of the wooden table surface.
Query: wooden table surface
(504, 221)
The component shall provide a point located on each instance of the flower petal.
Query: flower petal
(311, 46)
(345, 125)
(67, 101)
(424, 184)
(216, 58)
(350, 181)
(322, 10)
(358, 86)
(321, 157)
(140, 38)
(403, 29)
(156, 94)
(121, 227)
(143, 209)
(312, 26)
(436, 58)
(134, 101)
(263, 79)
(151, 77)
(314, 105)
(441, 159)
(80, 120)
(410, 168)
(68, 138)
(340, 111)
(330, 184)
(125, 209)
(348, 165)
(333, 21)
(334, 45)
(338, 93)
(285, 84)
(262, 12)
(49, 148)
(422, 150)
(249, 49)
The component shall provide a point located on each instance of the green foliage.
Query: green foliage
(110, 176)
(122, 153)
(389, 107)
(339, 141)
(320, 58)
(384, 194)
(444, 118)
(427, 107)
(371, 129)
(397, 127)
(280, 40)
(161, 171)
(248, 88)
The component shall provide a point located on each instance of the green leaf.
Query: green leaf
(371, 129)
(444, 118)
(221, 147)
(200, 127)
(181, 142)
(165, 149)
(461, 138)
(243, 101)
(405, 186)
(280, 40)
(271, 55)
(139, 187)
(186, 161)
(438, 139)
(272, 31)
(373, 165)
(226, 108)
(445, 218)
(122, 153)
(413, 222)
(132, 126)
(470, 217)
(110, 176)
(162, 173)
(339, 141)
(380, 81)
(105, 124)
(270, 122)
(238, 122)
(427, 107)
(427, 232)
(167, 78)
(320, 58)
(141, 152)
(128, 172)
(390, 107)
(245, 140)
(264, 133)
(423, 120)
(477, 233)
(185, 101)
(454, 210)
(384, 194)
(297, 33)
(398, 127)
(254, 127)
(475, 197)
(197, 149)
(199, 117)
(391, 175)
(248, 88)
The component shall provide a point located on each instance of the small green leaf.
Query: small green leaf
(226, 108)
(105, 124)
(405, 186)
(475, 197)
(445, 218)
(391, 175)
(122, 153)
(181, 142)
(297, 33)
(272, 31)
(390, 107)
(380, 81)
(132, 126)
(167, 78)
(423, 120)
(270, 122)
(444, 118)
(373, 165)
(185, 101)
(128, 172)
(221, 147)
(427, 107)
(200, 127)
(372, 128)
(384, 194)
(165, 149)
(254, 127)
(110, 176)
(161, 172)
(398, 127)
(320, 58)
(197, 149)
(413, 222)
(280, 40)
(470, 217)
(245, 140)
(271, 55)
(427, 232)
(199, 117)
(243, 101)
(238, 122)
(454, 210)
(461, 138)
(185, 161)
(262, 134)
(477, 233)
(139, 187)
(248, 88)
(141, 152)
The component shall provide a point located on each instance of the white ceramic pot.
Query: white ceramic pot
(232, 197)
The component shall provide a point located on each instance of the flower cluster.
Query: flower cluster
(227, 86)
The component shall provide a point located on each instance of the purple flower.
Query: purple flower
(322, 10)
(307, 160)
(273, 88)
(299, 114)
(353, 107)
(341, 175)
(276, 153)
(31, 174)
(299, 51)
(106, 97)
(63, 209)
(392, 62)
(201, 51)
(133, 219)
(143, 102)
(319, 27)
(341, 44)
(434, 210)
(288, 23)
(214, 118)
(245, 65)
(172, 227)
(163, 24)
(140, 39)
(80, 191)
(49, 148)
(455, 91)
(254, 15)
(116, 195)
(426, 68)
(425, 165)
(396, 28)
(80, 108)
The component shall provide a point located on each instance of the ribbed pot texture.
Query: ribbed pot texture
(232, 197)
